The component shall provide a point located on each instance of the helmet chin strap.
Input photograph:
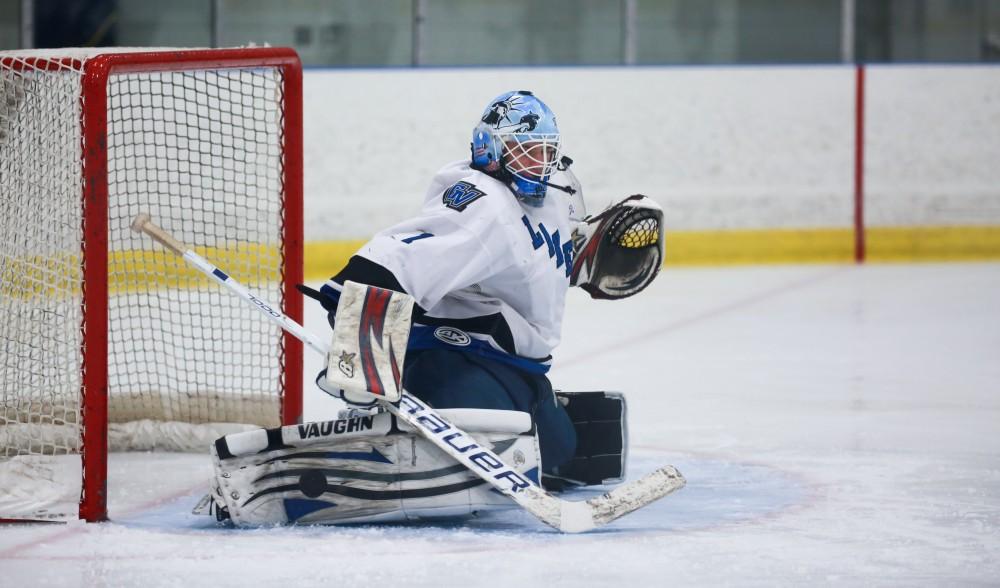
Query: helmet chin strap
(564, 162)
(566, 189)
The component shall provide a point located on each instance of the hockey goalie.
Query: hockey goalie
(462, 307)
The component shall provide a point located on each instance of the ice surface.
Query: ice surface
(836, 424)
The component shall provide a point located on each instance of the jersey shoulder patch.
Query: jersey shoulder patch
(461, 195)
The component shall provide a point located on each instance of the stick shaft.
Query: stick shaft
(272, 314)
(143, 224)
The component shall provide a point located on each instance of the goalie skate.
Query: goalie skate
(361, 470)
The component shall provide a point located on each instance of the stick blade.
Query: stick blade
(635, 495)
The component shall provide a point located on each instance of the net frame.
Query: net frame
(96, 69)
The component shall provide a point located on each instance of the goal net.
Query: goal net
(101, 330)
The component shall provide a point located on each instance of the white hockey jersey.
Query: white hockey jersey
(491, 273)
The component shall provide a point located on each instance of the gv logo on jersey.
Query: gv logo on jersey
(461, 195)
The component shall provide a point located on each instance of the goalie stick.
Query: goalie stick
(563, 515)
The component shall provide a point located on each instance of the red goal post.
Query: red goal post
(97, 327)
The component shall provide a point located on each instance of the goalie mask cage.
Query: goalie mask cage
(104, 334)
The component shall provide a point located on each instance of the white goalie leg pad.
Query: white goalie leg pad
(370, 335)
(371, 471)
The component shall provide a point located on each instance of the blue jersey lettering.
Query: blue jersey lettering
(562, 252)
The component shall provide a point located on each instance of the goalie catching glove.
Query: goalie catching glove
(618, 252)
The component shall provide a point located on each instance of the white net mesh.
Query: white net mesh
(40, 253)
(201, 151)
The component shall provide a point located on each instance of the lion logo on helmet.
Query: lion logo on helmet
(502, 111)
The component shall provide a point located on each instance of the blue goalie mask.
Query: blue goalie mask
(517, 141)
